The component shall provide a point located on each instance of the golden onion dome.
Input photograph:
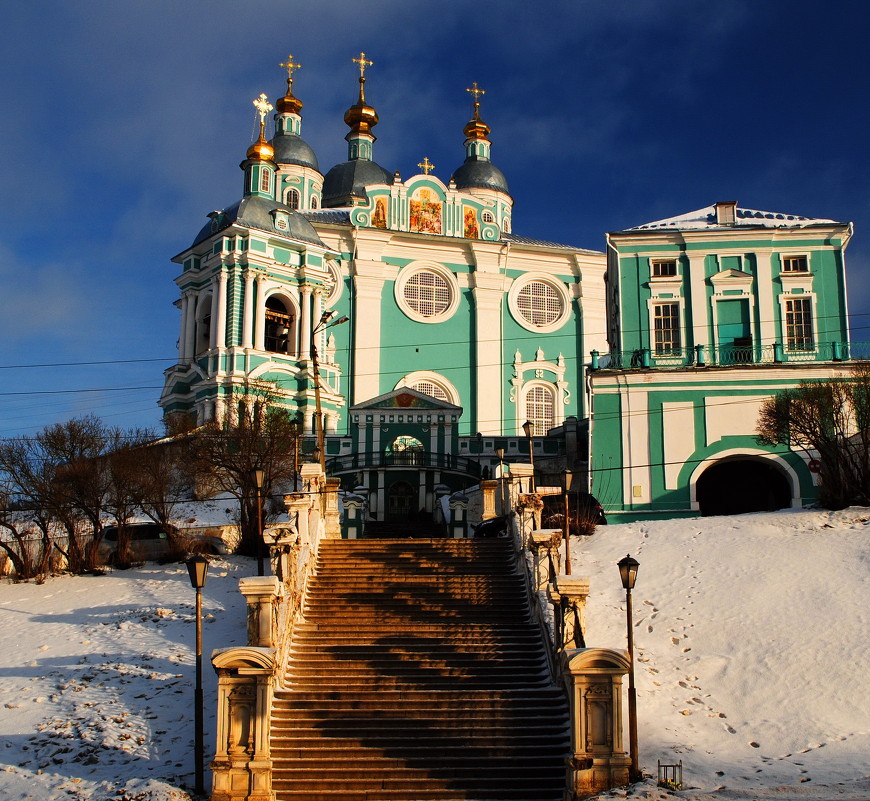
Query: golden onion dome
(360, 117)
(261, 150)
(288, 104)
(476, 127)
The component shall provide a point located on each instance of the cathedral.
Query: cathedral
(409, 324)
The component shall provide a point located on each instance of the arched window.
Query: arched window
(431, 389)
(432, 384)
(314, 201)
(292, 198)
(406, 450)
(279, 334)
(540, 411)
(202, 335)
(265, 179)
(486, 216)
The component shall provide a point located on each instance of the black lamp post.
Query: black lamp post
(197, 567)
(258, 476)
(324, 323)
(528, 430)
(567, 481)
(628, 573)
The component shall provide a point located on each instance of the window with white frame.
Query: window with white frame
(279, 335)
(799, 324)
(486, 216)
(265, 179)
(666, 327)
(540, 411)
(795, 264)
(427, 293)
(431, 389)
(539, 303)
(292, 198)
(663, 267)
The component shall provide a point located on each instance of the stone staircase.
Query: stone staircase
(417, 674)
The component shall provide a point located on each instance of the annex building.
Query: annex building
(432, 329)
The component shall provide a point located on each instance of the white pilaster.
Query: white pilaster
(212, 334)
(182, 335)
(488, 297)
(305, 322)
(700, 306)
(260, 331)
(369, 284)
(248, 313)
(220, 339)
(190, 326)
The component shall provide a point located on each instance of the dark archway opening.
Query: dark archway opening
(401, 502)
(737, 486)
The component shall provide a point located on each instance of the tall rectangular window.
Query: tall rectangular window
(799, 324)
(666, 322)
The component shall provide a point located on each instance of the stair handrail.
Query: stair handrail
(520, 521)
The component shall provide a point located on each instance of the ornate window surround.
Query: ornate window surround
(521, 283)
(434, 378)
(415, 268)
(538, 368)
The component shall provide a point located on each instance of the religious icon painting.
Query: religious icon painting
(379, 218)
(471, 229)
(425, 212)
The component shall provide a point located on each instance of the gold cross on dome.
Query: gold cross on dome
(263, 107)
(476, 92)
(363, 63)
(426, 165)
(291, 67)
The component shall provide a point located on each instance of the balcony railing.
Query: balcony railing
(729, 355)
(424, 459)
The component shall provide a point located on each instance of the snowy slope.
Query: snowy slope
(751, 638)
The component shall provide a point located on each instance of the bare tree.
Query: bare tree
(830, 421)
(256, 434)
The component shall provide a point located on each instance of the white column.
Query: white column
(214, 312)
(488, 297)
(248, 313)
(305, 322)
(190, 325)
(220, 338)
(182, 336)
(766, 303)
(368, 286)
(260, 330)
(700, 306)
(315, 317)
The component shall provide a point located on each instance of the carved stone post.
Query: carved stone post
(544, 544)
(332, 517)
(569, 594)
(242, 767)
(593, 678)
(458, 515)
(488, 489)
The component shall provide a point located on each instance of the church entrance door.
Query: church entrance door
(401, 502)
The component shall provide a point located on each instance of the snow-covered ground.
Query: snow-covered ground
(751, 638)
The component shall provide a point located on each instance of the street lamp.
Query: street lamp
(318, 419)
(500, 454)
(528, 428)
(628, 573)
(259, 476)
(567, 480)
(197, 567)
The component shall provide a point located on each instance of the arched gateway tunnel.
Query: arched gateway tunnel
(739, 484)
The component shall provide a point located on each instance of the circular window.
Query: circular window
(431, 389)
(539, 304)
(427, 294)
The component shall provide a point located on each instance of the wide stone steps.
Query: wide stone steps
(416, 676)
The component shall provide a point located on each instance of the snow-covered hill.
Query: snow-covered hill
(751, 635)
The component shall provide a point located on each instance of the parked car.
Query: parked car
(582, 508)
(149, 542)
(493, 527)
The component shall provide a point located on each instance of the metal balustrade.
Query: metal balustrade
(409, 458)
(729, 355)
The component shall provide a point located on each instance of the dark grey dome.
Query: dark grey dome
(256, 212)
(293, 149)
(349, 180)
(480, 174)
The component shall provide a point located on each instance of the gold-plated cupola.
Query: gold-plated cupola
(261, 150)
(476, 127)
(361, 117)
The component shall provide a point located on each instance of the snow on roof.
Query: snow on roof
(751, 218)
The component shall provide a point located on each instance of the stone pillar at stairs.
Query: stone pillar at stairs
(242, 766)
(546, 556)
(488, 488)
(593, 679)
(568, 596)
(458, 515)
(332, 517)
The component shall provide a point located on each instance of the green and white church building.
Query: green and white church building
(460, 330)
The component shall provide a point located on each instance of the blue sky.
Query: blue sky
(124, 122)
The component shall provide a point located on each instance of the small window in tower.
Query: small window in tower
(506, 225)
(487, 216)
(313, 202)
(265, 181)
(293, 198)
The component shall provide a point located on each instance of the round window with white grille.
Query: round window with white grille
(538, 304)
(427, 294)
